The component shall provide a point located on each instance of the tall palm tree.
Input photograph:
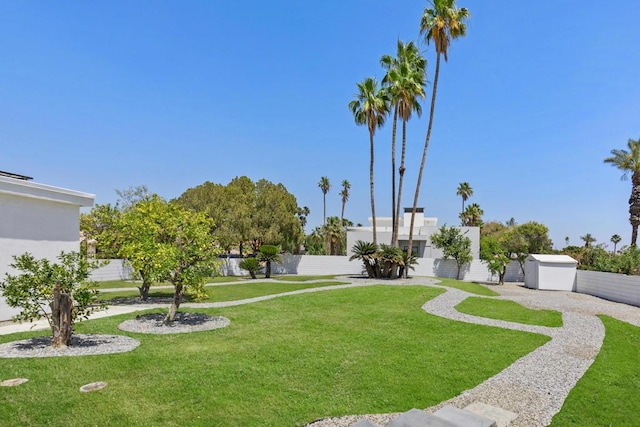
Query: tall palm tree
(465, 191)
(370, 108)
(629, 162)
(440, 23)
(588, 240)
(344, 194)
(615, 239)
(325, 186)
(405, 81)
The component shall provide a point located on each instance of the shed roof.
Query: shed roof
(554, 259)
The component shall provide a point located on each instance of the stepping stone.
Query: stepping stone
(365, 423)
(13, 382)
(502, 417)
(418, 418)
(462, 417)
(93, 386)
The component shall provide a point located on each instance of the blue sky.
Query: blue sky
(105, 95)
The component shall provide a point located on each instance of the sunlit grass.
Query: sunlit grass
(510, 311)
(470, 287)
(282, 362)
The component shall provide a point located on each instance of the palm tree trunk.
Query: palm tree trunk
(373, 205)
(634, 207)
(426, 147)
(394, 213)
(401, 174)
(324, 210)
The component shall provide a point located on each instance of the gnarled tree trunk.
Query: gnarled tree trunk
(61, 328)
(175, 304)
(634, 207)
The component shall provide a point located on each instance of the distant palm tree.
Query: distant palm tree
(370, 108)
(566, 240)
(325, 186)
(588, 240)
(405, 81)
(629, 162)
(440, 23)
(615, 239)
(465, 191)
(472, 216)
(344, 194)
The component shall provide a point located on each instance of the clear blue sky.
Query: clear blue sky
(105, 95)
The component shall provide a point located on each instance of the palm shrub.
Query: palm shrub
(252, 265)
(269, 254)
(408, 261)
(365, 251)
(390, 260)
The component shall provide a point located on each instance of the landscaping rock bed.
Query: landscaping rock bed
(183, 323)
(81, 345)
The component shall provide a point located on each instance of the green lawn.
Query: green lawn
(282, 362)
(510, 311)
(607, 395)
(113, 284)
(470, 287)
(298, 278)
(230, 292)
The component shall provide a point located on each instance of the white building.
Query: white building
(423, 228)
(36, 218)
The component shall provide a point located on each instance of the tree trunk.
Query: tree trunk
(458, 272)
(175, 304)
(144, 290)
(401, 174)
(324, 204)
(394, 213)
(373, 205)
(61, 328)
(268, 270)
(252, 274)
(426, 147)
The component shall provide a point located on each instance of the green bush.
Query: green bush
(251, 265)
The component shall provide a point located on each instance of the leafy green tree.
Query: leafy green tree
(464, 191)
(629, 162)
(325, 186)
(441, 23)
(60, 292)
(404, 80)
(615, 239)
(472, 216)
(314, 242)
(252, 265)
(274, 218)
(454, 244)
(132, 195)
(334, 235)
(370, 108)
(269, 254)
(302, 215)
(98, 226)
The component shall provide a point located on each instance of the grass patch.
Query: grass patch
(470, 287)
(114, 284)
(228, 293)
(281, 362)
(510, 311)
(607, 393)
(297, 278)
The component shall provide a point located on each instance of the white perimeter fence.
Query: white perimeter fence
(614, 287)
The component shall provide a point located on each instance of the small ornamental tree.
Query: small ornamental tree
(269, 254)
(454, 244)
(252, 265)
(60, 292)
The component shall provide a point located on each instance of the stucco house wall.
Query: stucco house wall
(39, 219)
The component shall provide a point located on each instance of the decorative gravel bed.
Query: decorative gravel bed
(183, 323)
(81, 345)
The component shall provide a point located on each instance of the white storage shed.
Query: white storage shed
(550, 272)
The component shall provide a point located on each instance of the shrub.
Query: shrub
(251, 265)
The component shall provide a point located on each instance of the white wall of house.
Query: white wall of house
(39, 219)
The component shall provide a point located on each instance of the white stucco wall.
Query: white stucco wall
(38, 219)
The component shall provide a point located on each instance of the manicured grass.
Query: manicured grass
(470, 287)
(114, 284)
(297, 278)
(510, 311)
(282, 362)
(230, 292)
(607, 395)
